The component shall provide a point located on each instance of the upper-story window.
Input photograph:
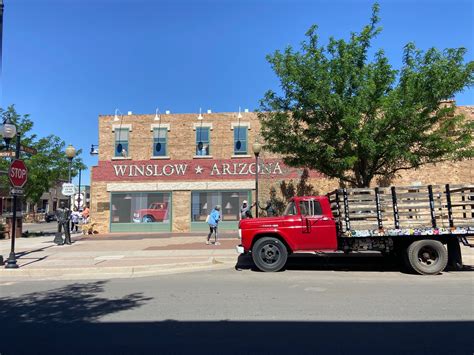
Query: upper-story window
(121, 142)
(240, 140)
(203, 141)
(160, 142)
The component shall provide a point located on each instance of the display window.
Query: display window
(140, 211)
(202, 203)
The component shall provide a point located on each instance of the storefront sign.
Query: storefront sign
(140, 170)
(196, 169)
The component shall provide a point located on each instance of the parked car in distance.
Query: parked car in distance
(157, 212)
(50, 216)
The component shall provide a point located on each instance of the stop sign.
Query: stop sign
(18, 173)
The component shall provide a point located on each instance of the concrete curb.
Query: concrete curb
(95, 273)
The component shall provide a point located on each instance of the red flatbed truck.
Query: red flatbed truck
(423, 225)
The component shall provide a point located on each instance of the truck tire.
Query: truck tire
(427, 257)
(269, 254)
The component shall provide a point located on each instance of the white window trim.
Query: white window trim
(234, 156)
(163, 125)
(204, 125)
(202, 157)
(121, 158)
(242, 124)
(160, 157)
(123, 126)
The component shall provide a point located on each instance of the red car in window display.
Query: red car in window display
(157, 212)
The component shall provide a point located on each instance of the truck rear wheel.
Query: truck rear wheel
(269, 254)
(427, 257)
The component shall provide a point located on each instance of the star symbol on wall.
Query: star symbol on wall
(198, 169)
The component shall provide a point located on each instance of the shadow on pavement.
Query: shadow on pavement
(226, 337)
(338, 262)
(24, 253)
(66, 321)
(78, 302)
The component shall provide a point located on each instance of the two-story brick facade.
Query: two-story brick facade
(172, 169)
(166, 172)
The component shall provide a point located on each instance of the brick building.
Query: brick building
(166, 172)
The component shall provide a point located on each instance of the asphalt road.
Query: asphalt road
(50, 227)
(229, 311)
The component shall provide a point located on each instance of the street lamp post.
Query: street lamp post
(70, 154)
(9, 131)
(257, 147)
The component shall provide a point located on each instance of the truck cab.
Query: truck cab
(307, 224)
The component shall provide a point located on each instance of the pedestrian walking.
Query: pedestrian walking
(75, 216)
(213, 220)
(246, 210)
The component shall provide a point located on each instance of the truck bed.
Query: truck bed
(404, 211)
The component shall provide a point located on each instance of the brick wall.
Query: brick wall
(181, 147)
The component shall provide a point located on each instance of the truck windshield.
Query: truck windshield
(290, 210)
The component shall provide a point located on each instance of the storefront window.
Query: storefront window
(202, 141)
(141, 208)
(240, 140)
(203, 202)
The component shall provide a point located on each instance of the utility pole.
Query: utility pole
(1, 47)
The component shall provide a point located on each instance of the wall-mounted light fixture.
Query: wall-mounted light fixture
(94, 149)
(116, 118)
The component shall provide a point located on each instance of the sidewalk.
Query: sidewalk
(115, 256)
(123, 256)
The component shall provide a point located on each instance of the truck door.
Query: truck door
(318, 231)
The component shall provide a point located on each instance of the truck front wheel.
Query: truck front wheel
(427, 257)
(269, 254)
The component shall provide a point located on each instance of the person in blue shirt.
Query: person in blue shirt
(213, 221)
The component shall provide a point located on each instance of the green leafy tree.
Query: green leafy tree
(288, 190)
(355, 118)
(47, 167)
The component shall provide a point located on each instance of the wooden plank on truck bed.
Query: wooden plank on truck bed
(455, 190)
(358, 190)
(412, 195)
(462, 204)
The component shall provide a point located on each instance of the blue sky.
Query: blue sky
(67, 61)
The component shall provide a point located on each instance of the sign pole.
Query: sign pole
(11, 262)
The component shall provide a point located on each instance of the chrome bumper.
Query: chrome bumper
(239, 249)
